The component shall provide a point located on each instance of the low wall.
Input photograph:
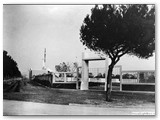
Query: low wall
(69, 85)
(45, 79)
(138, 87)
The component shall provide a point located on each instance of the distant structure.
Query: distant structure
(44, 60)
(44, 63)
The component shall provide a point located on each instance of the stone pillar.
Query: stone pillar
(85, 72)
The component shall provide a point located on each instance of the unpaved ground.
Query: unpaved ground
(11, 107)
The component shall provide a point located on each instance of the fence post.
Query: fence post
(77, 87)
(65, 77)
(120, 78)
(54, 78)
(138, 77)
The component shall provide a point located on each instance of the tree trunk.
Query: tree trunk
(109, 80)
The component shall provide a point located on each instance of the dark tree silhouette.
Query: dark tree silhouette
(10, 68)
(116, 30)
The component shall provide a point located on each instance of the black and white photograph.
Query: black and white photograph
(79, 59)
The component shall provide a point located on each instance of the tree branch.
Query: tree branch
(112, 53)
(109, 54)
(123, 53)
(118, 58)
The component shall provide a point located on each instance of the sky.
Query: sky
(28, 29)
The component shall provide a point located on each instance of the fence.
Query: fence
(45, 78)
(53, 77)
(143, 80)
(140, 77)
(64, 77)
(138, 80)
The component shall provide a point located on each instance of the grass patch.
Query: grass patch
(35, 93)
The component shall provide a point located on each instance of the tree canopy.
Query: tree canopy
(63, 67)
(120, 29)
(10, 68)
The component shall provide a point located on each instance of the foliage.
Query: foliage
(129, 76)
(10, 68)
(116, 76)
(146, 77)
(99, 75)
(69, 75)
(91, 75)
(151, 79)
(118, 30)
(63, 67)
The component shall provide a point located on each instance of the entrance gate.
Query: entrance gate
(85, 70)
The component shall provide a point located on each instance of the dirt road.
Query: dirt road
(11, 107)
